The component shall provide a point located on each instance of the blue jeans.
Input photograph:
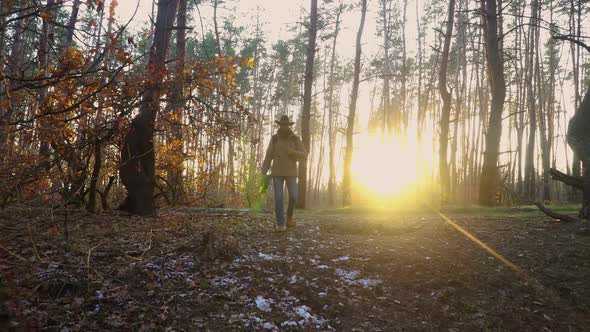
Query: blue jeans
(278, 183)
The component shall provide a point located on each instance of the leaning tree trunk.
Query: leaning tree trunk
(495, 68)
(347, 178)
(306, 114)
(71, 27)
(137, 169)
(578, 138)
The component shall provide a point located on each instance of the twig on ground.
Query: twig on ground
(13, 253)
(140, 258)
(88, 267)
(33, 243)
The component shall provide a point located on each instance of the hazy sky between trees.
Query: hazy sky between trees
(277, 17)
(280, 16)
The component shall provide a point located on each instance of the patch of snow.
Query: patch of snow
(269, 326)
(289, 323)
(351, 278)
(323, 294)
(303, 312)
(368, 282)
(99, 295)
(267, 257)
(228, 280)
(347, 275)
(263, 304)
(323, 267)
(252, 321)
(341, 259)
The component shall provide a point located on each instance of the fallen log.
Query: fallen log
(554, 214)
(574, 181)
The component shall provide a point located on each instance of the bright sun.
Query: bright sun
(387, 167)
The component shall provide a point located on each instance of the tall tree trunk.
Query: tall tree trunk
(543, 110)
(347, 178)
(4, 7)
(495, 66)
(520, 97)
(404, 112)
(177, 103)
(387, 116)
(550, 115)
(71, 27)
(530, 175)
(12, 71)
(137, 168)
(45, 44)
(443, 167)
(575, 29)
(91, 205)
(306, 112)
(420, 116)
(331, 132)
(461, 85)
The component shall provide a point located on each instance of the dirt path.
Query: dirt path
(370, 272)
(418, 273)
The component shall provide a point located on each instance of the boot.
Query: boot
(290, 222)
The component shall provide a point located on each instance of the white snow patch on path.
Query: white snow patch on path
(264, 304)
(352, 278)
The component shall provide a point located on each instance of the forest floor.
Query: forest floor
(351, 270)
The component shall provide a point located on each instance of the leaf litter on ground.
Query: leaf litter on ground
(192, 269)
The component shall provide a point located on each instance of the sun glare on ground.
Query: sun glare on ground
(388, 169)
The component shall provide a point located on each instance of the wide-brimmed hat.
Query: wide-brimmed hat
(285, 121)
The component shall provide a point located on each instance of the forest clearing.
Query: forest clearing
(301, 165)
(353, 270)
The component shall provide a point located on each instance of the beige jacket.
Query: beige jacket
(284, 153)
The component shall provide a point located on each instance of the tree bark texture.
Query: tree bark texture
(137, 168)
(347, 178)
(495, 66)
(443, 166)
(306, 113)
